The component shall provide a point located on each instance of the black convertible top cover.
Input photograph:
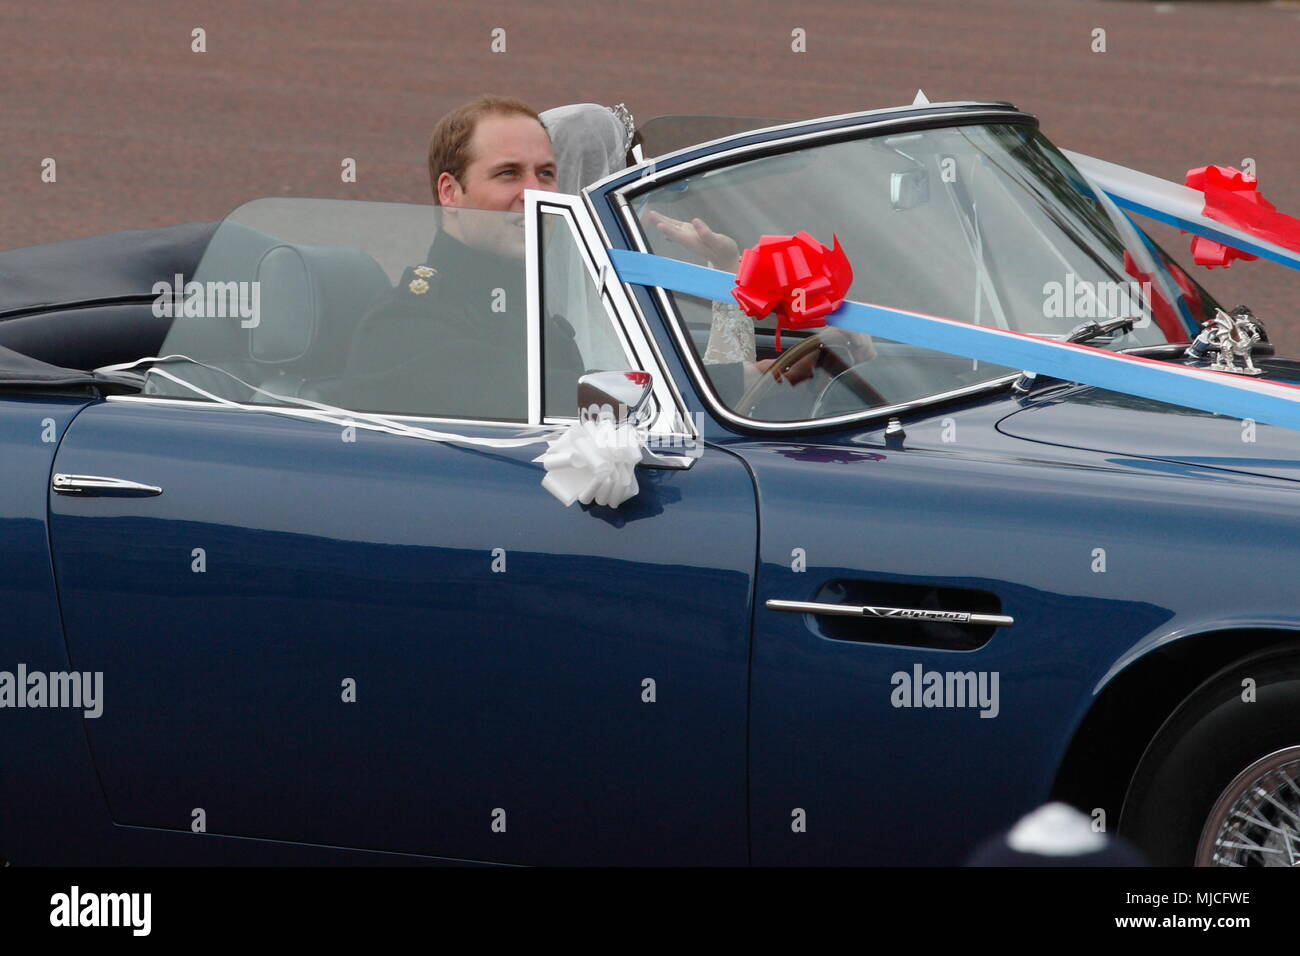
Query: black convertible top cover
(21, 370)
(116, 267)
(98, 268)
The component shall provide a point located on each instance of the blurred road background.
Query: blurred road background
(147, 133)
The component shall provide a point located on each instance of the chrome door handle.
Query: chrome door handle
(890, 613)
(90, 485)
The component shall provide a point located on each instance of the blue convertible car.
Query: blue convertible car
(870, 603)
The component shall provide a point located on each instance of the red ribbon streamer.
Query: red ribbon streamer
(794, 276)
(1233, 198)
(1163, 311)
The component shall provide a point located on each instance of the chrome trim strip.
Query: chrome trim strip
(725, 156)
(653, 459)
(672, 418)
(533, 316)
(565, 212)
(311, 413)
(652, 161)
(94, 484)
(643, 324)
(669, 419)
(890, 613)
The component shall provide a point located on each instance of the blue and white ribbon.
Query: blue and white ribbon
(1173, 204)
(1217, 392)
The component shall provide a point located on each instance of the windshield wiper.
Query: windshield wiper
(1094, 330)
(1080, 334)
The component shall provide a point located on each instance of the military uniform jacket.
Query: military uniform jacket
(451, 339)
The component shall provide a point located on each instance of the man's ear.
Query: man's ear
(449, 191)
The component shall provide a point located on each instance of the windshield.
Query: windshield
(987, 224)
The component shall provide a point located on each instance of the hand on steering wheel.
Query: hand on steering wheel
(792, 374)
(797, 364)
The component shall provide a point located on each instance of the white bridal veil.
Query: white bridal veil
(590, 142)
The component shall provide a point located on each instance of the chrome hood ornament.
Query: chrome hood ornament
(1231, 337)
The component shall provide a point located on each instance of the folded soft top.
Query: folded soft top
(23, 371)
(115, 266)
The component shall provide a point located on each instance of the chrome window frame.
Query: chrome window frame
(564, 213)
(684, 425)
(671, 418)
(871, 123)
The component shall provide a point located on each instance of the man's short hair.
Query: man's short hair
(449, 144)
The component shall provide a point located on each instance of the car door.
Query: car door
(329, 633)
(910, 732)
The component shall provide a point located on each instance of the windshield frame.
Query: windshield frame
(620, 192)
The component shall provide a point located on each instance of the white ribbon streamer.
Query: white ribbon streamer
(590, 461)
(317, 411)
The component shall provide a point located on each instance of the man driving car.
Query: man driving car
(451, 337)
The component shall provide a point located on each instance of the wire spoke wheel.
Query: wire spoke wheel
(1256, 820)
(1219, 784)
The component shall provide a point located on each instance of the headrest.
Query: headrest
(306, 291)
(288, 304)
(299, 290)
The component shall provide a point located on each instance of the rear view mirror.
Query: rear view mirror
(619, 396)
(909, 189)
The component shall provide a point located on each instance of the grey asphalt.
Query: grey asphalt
(147, 133)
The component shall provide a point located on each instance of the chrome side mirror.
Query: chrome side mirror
(623, 396)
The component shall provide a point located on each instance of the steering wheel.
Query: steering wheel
(826, 359)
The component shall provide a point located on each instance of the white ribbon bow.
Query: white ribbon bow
(593, 461)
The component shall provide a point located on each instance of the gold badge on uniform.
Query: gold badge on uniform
(418, 286)
(424, 271)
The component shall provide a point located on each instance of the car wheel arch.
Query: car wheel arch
(1129, 712)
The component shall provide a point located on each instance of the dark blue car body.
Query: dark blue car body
(1138, 548)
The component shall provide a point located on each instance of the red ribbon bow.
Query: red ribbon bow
(794, 276)
(1232, 198)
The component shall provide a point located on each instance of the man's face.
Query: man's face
(508, 154)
